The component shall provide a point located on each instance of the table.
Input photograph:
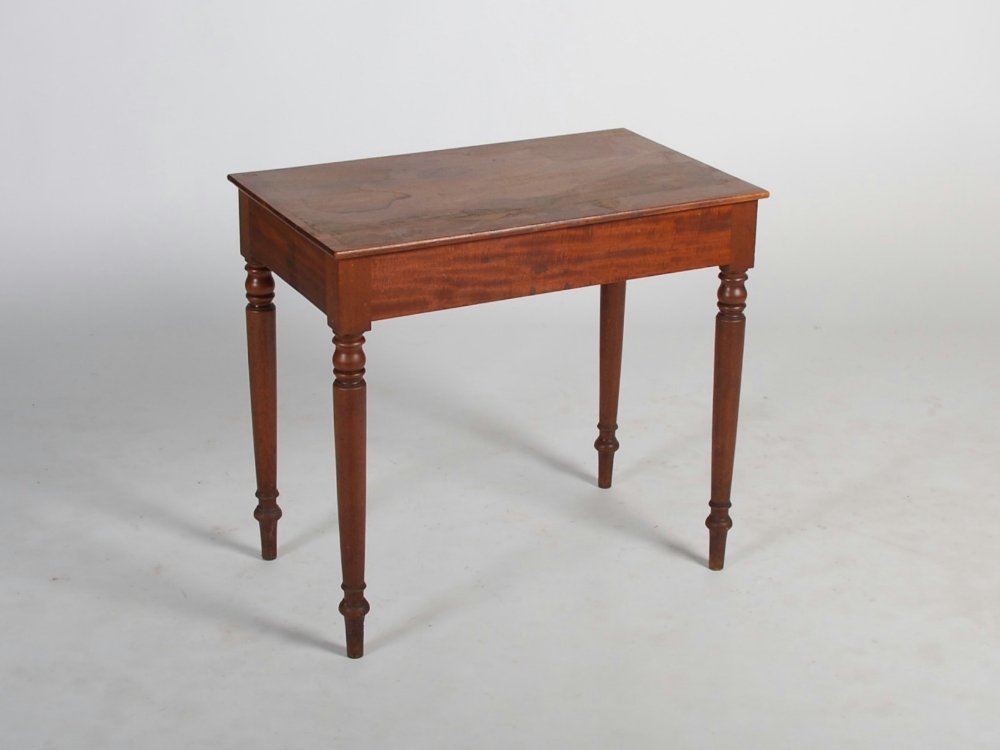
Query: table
(380, 238)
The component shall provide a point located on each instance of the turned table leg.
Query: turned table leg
(349, 425)
(263, 402)
(730, 325)
(612, 327)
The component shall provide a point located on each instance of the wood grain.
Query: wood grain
(380, 238)
(611, 333)
(263, 402)
(743, 235)
(396, 203)
(470, 273)
(272, 241)
(730, 325)
(350, 440)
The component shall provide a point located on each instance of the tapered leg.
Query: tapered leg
(730, 325)
(612, 326)
(349, 425)
(263, 402)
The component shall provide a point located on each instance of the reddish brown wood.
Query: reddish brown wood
(380, 238)
(349, 291)
(612, 328)
(730, 325)
(263, 402)
(350, 425)
(743, 235)
(398, 203)
(293, 256)
(470, 273)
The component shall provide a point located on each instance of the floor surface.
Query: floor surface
(514, 604)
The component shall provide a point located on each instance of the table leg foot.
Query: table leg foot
(612, 328)
(730, 325)
(350, 435)
(263, 401)
(606, 445)
(719, 523)
(354, 607)
(267, 514)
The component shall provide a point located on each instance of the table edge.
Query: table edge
(400, 247)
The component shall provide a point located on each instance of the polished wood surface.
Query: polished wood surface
(380, 238)
(405, 202)
(730, 324)
(469, 273)
(264, 402)
(611, 333)
(350, 429)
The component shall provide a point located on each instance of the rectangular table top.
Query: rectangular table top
(396, 203)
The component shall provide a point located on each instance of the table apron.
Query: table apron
(479, 271)
(272, 242)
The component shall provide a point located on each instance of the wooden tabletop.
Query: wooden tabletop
(396, 203)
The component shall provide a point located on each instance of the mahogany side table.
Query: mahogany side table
(379, 238)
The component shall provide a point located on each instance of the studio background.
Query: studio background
(513, 603)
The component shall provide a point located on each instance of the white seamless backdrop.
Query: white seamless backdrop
(513, 603)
